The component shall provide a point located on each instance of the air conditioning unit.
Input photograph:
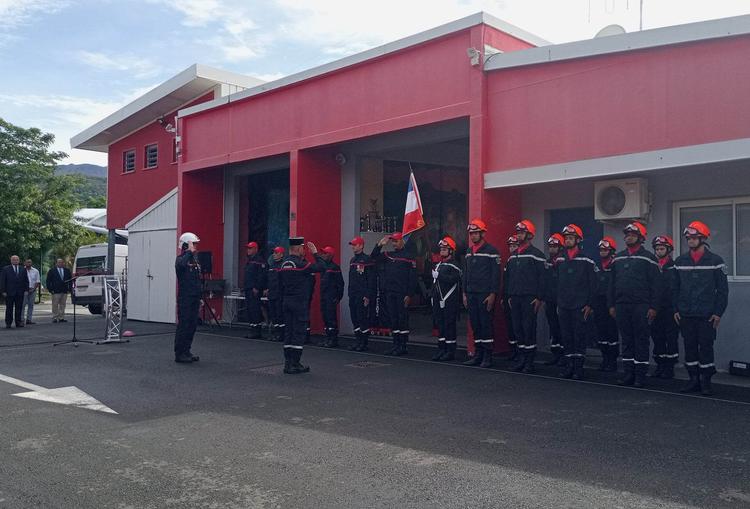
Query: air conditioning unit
(621, 199)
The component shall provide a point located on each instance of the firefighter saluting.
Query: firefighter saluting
(700, 295)
(446, 291)
(525, 289)
(664, 329)
(188, 296)
(633, 299)
(481, 287)
(361, 291)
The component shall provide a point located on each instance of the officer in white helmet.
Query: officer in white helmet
(188, 296)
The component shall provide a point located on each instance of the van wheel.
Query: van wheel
(95, 309)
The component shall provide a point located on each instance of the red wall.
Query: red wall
(617, 104)
(129, 194)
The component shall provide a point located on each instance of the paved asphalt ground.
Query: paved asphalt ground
(360, 430)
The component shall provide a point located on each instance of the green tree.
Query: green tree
(36, 206)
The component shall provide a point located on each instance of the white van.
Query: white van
(90, 265)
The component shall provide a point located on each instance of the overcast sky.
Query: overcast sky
(66, 64)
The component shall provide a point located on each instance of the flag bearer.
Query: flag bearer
(554, 247)
(446, 292)
(255, 283)
(512, 243)
(481, 287)
(633, 299)
(664, 330)
(399, 282)
(273, 294)
(525, 288)
(362, 288)
(331, 291)
(606, 326)
(576, 292)
(701, 295)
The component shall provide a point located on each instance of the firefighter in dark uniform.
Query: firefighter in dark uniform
(481, 287)
(576, 292)
(633, 299)
(361, 292)
(273, 294)
(664, 330)
(331, 291)
(700, 295)
(608, 338)
(446, 299)
(294, 278)
(399, 282)
(189, 293)
(255, 285)
(525, 282)
(512, 243)
(554, 248)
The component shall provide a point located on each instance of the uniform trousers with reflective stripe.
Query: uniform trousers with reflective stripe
(632, 321)
(398, 314)
(276, 313)
(606, 326)
(296, 316)
(329, 308)
(573, 330)
(699, 336)
(509, 323)
(524, 321)
(254, 314)
(360, 314)
(187, 322)
(553, 321)
(664, 332)
(480, 318)
(445, 318)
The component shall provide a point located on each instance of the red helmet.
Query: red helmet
(512, 240)
(556, 239)
(573, 229)
(447, 242)
(526, 226)
(279, 250)
(329, 250)
(252, 244)
(697, 229)
(357, 241)
(663, 240)
(608, 243)
(635, 227)
(476, 225)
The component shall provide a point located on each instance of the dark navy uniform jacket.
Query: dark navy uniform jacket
(332, 282)
(635, 279)
(550, 280)
(400, 270)
(666, 284)
(255, 274)
(577, 281)
(188, 275)
(525, 273)
(272, 277)
(482, 273)
(449, 275)
(295, 274)
(362, 277)
(604, 277)
(700, 289)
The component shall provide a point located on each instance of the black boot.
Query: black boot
(183, 358)
(355, 347)
(254, 332)
(614, 353)
(514, 352)
(334, 338)
(296, 365)
(568, 368)
(605, 358)
(694, 385)
(450, 352)
(326, 342)
(528, 365)
(486, 356)
(640, 376)
(520, 360)
(659, 369)
(556, 354)
(280, 333)
(629, 378)
(668, 371)
(578, 373)
(706, 388)
(477, 359)
(365, 341)
(395, 348)
(288, 361)
(440, 351)
(403, 340)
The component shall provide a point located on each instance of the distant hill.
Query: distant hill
(89, 170)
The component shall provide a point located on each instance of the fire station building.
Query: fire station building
(495, 123)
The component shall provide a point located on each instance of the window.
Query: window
(128, 161)
(729, 220)
(151, 156)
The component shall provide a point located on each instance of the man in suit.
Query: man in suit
(14, 283)
(59, 285)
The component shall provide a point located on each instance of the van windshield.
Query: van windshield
(95, 264)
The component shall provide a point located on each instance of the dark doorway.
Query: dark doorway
(268, 211)
(593, 231)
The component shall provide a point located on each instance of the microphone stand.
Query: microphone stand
(74, 341)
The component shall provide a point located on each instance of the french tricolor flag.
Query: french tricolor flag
(413, 217)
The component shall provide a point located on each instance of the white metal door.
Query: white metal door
(162, 278)
(138, 282)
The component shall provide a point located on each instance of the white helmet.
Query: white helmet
(186, 238)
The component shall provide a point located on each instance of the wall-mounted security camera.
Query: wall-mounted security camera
(340, 159)
(474, 55)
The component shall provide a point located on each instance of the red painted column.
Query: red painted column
(315, 207)
(498, 208)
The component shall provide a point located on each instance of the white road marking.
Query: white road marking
(63, 395)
